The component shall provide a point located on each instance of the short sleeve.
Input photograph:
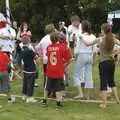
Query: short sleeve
(69, 29)
(67, 54)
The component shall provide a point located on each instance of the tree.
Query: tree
(38, 13)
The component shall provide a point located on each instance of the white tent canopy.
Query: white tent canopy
(112, 15)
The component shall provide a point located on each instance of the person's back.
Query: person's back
(82, 47)
(55, 66)
(104, 55)
(42, 46)
(28, 59)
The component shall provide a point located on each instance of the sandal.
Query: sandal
(78, 97)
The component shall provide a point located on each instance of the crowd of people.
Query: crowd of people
(56, 50)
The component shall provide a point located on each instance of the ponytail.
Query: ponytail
(108, 38)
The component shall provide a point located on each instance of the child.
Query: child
(42, 47)
(55, 69)
(63, 42)
(107, 64)
(4, 75)
(29, 71)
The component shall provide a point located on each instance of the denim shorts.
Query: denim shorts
(4, 82)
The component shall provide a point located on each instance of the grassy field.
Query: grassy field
(71, 110)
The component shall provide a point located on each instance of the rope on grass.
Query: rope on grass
(67, 99)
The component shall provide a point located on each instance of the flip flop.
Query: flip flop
(78, 97)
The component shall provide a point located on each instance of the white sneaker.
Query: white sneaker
(13, 99)
(30, 99)
(24, 97)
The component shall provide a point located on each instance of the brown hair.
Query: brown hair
(75, 18)
(22, 25)
(108, 37)
(86, 26)
(49, 28)
(54, 37)
(62, 37)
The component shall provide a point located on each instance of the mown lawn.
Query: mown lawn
(71, 110)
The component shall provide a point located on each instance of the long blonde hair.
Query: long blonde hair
(108, 37)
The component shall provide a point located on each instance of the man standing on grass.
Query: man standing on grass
(74, 31)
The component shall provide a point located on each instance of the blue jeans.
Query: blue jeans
(28, 84)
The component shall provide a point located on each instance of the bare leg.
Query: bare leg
(80, 93)
(88, 93)
(103, 95)
(45, 94)
(59, 96)
(114, 90)
(44, 100)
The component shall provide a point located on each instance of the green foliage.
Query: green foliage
(38, 13)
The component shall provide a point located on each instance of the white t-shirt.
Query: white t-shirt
(83, 48)
(7, 45)
(73, 30)
(42, 47)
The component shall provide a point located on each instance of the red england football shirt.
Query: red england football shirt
(56, 54)
(4, 61)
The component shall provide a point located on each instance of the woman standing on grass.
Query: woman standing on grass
(84, 61)
(107, 64)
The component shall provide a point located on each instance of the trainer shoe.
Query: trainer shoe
(11, 100)
(43, 102)
(35, 85)
(24, 97)
(59, 104)
(30, 100)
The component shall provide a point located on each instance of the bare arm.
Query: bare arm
(18, 35)
(4, 37)
(117, 41)
(90, 42)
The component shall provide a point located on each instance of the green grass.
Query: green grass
(70, 111)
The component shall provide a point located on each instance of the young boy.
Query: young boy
(55, 69)
(63, 42)
(29, 71)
